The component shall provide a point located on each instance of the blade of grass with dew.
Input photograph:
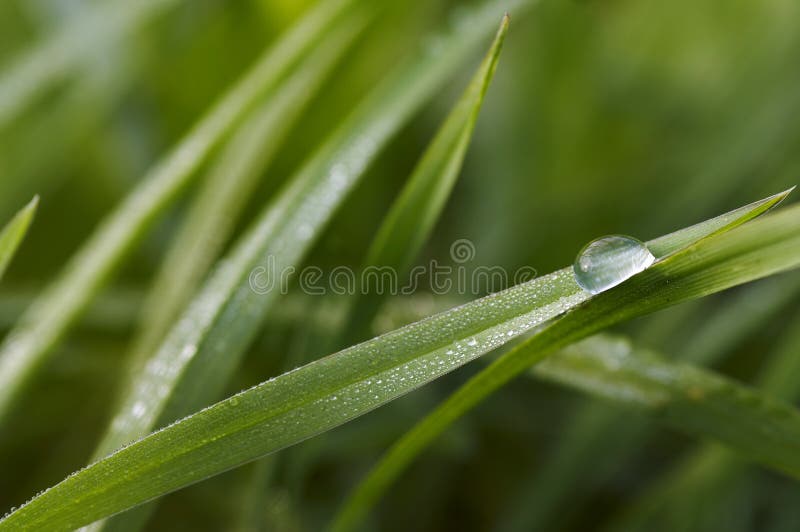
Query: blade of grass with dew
(335, 389)
(413, 215)
(598, 429)
(46, 63)
(13, 233)
(709, 265)
(229, 184)
(51, 316)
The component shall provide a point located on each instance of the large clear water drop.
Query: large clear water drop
(610, 260)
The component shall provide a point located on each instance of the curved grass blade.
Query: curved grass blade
(412, 217)
(46, 63)
(230, 183)
(13, 233)
(330, 391)
(688, 398)
(50, 317)
(709, 464)
(711, 264)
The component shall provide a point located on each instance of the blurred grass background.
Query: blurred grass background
(606, 116)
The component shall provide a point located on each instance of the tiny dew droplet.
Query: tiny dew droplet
(608, 261)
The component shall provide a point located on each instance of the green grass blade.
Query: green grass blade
(412, 217)
(51, 316)
(48, 62)
(710, 264)
(688, 398)
(338, 388)
(13, 233)
(228, 186)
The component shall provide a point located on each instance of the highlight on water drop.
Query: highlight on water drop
(608, 261)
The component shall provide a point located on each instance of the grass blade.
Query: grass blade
(51, 316)
(335, 389)
(688, 398)
(710, 464)
(713, 263)
(412, 217)
(45, 64)
(13, 233)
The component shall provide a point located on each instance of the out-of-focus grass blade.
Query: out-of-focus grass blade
(709, 464)
(340, 387)
(46, 63)
(13, 233)
(711, 264)
(113, 311)
(688, 398)
(65, 124)
(597, 429)
(227, 188)
(49, 318)
(411, 219)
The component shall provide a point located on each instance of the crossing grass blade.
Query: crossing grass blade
(340, 387)
(713, 263)
(50, 317)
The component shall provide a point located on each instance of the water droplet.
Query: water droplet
(610, 260)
